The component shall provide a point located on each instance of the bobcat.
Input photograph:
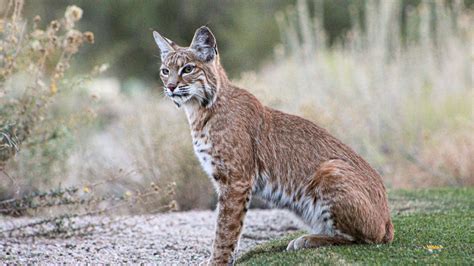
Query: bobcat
(247, 148)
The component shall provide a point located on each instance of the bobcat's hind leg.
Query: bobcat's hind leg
(315, 241)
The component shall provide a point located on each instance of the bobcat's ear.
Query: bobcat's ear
(164, 44)
(204, 44)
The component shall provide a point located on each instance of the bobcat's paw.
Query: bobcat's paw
(296, 244)
(211, 262)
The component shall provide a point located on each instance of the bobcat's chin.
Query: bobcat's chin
(180, 99)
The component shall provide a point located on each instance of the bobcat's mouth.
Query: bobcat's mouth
(179, 94)
(182, 91)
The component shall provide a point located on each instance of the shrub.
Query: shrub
(42, 106)
(33, 66)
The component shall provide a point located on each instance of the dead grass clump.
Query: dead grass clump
(59, 210)
(34, 59)
(451, 152)
(150, 140)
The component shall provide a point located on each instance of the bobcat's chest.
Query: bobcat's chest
(201, 138)
(203, 150)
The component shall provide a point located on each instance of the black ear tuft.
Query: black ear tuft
(204, 44)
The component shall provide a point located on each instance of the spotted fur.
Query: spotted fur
(248, 148)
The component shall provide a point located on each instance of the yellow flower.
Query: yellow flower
(173, 206)
(433, 248)
(128, 194)
(53, 88)
(86, 190)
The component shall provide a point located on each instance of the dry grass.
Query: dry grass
(148, 141)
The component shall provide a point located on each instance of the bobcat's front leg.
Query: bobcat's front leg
(232, 207)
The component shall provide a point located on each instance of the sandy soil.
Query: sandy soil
(173, 238)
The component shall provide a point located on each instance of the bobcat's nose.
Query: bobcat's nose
(171, 87)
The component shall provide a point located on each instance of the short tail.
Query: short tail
(389, 232)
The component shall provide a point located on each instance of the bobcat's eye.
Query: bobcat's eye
(165, 71)
(188, 69)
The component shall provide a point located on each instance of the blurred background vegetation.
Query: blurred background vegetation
(247, 30)
(391, 78)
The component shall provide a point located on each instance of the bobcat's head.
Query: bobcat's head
(190, 73)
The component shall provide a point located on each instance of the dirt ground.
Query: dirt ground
(173, 238)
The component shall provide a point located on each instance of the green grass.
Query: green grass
(441, 217)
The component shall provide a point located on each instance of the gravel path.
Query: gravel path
(173, 238)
